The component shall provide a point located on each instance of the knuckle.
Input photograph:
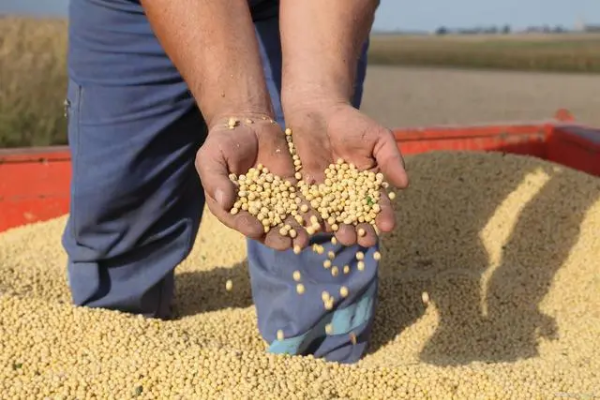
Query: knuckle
(200, 155)
(377, 130)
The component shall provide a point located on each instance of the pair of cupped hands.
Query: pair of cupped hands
(322, 133)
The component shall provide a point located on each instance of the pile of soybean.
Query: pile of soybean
(490, 289)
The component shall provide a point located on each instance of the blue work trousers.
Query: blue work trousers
(137, 200)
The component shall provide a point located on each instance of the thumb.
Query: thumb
(214, 174)
(389, 159)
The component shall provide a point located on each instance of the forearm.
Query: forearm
(321, 45)
(214, 47)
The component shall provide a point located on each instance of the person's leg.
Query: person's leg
(303, 317)
(136, 199)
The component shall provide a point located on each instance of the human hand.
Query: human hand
(234, 145)
(326, 131)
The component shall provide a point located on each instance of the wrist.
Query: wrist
(337, 89)
(227, 104)
(303, 102)
(225, 96)
(238, 118)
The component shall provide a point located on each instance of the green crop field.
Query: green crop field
(552, 52)
(33, 72)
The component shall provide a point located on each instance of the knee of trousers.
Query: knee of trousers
(136, 201)
(291, 293)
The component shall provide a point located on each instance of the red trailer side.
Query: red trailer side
(34, 183)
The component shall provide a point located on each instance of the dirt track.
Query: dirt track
(419, 96)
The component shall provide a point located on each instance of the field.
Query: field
(557, 52)
(415, 96)
(33, 76)
(33, 82)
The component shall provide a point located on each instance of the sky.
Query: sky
(423, 15)
(431, 14)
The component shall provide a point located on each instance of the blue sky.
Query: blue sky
(430, 14)
(423, 14)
